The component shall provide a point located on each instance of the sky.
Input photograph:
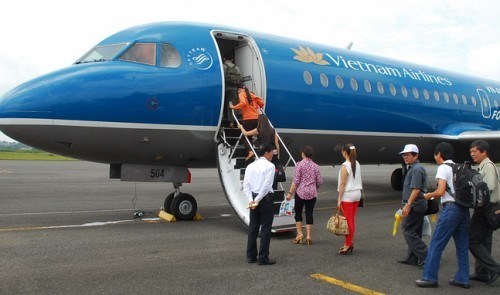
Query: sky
(40, 36)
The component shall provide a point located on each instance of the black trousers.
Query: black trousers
(308, 204)
(480, 243)
(412, 226)
(249, 125)
(260, 218)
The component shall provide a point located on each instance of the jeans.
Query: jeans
(453, 222)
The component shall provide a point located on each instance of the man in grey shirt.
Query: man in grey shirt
(414, 207)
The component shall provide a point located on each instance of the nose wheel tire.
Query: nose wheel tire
(183, 206)
(168, 203)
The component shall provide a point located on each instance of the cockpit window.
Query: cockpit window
(144, 53)
(169, 57)
(101, 53)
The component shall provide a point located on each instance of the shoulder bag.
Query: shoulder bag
(337, 224)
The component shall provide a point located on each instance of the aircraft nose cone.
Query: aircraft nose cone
(24, 109)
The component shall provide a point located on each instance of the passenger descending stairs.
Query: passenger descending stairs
(231, 165)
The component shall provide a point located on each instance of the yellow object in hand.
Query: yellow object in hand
(397, 220)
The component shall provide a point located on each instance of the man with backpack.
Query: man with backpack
(232, 78)
(453, 222)
(486, 269)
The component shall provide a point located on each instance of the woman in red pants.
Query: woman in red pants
(350, 189)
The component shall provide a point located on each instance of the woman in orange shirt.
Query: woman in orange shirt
(249, 105)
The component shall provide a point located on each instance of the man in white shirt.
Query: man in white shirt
(258, 189)
(453, 222)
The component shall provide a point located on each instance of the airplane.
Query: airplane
(149, 101)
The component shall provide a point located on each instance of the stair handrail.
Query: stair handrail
(290, 157)
(239, 139)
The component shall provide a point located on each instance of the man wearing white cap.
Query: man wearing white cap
(414, 207)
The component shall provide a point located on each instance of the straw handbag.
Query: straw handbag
(337, 224)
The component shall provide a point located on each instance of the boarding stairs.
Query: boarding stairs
(231, 166)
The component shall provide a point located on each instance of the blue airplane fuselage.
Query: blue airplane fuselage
(118, 111)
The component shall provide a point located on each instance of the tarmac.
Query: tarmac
(66, 228)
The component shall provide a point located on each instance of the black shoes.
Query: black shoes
(404, 261)
(426, 284)
(485, 278)
(267, 262)
(493, 278)
(457, 284)
(479, 278)
(251, 260)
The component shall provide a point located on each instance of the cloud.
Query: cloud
(485, 61)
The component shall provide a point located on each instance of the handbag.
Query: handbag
(337, 224)
(492, 219)
(279, 173)
(432, 207)
(362, 200)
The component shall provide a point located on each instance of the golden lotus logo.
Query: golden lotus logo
(308, 56)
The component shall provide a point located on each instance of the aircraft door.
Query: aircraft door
(251, 69)
(247, 57)
(485, 103)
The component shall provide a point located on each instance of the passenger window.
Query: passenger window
(415, 92)
(485, 102)
(308, 78)
(464, 100)
(404, 91)
(380, 88)
(436, 95)
(144, 53)
(354, 84)
(368, 86)
(324, 80)
(446, 97)
(455, 98)
(169, 57)
(473, 99)
(339, 82)
(426, 94)
(392, 89)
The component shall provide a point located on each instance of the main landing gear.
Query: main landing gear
(183, 206)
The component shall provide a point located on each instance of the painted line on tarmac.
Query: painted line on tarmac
(148, 220)
(345, 284)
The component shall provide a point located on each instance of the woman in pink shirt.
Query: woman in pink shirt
(306, 180)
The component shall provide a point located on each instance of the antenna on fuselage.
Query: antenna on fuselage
(349, 45)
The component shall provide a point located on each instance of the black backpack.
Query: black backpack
(470, 189)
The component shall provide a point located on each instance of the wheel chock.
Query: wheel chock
(167, 216)
(198, 216)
